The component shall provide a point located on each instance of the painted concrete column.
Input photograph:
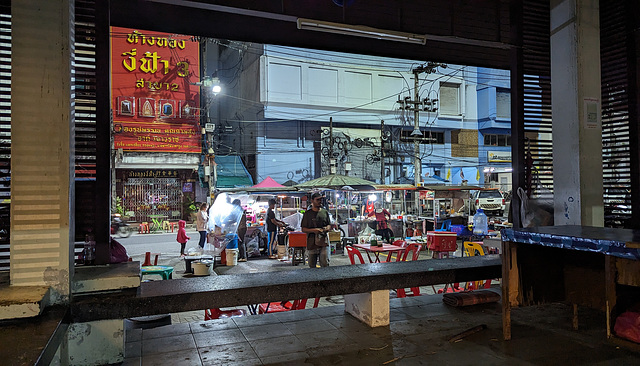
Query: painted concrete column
(577, 127)
(42, 145)
(371, 308)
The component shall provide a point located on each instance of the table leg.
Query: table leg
(377, 257)
(369, 255)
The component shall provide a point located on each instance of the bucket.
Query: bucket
(201, 268)
(232, 257)
(282, 251)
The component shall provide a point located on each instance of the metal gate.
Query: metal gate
(144, 198)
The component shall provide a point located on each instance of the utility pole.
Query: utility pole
(417, 105)
(332, 163)
(382, 151)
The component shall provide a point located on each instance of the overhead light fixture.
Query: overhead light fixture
(360, 31)
(416, 132)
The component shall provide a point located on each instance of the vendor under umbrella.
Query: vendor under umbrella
(382, 215)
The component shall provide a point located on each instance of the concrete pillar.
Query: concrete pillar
(372, 308)
(577, 127)
(42, 145)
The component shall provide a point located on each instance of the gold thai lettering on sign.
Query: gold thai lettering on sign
(156, 85)
(139, 38)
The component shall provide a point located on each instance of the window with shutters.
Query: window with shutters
(503, 104)
(449, 99)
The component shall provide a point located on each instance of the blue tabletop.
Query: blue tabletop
(610, 241)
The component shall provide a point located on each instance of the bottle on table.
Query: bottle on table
(480, 223)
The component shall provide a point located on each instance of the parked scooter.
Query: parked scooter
(119, 227)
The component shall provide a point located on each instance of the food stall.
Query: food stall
(392, 197)
(445, 203)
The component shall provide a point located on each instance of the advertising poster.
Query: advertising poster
(155, 99)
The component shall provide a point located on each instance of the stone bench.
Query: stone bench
(174, 296)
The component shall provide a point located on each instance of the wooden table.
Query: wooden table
(577, 264)
(387, 248)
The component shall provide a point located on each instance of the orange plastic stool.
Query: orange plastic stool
(147, 259)
(144, 228)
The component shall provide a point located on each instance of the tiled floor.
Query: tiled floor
(418, 334)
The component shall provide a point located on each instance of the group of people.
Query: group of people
(315, 223)
(238, 216)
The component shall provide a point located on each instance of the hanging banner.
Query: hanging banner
(155, 99)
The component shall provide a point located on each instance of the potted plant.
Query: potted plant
(190, 208)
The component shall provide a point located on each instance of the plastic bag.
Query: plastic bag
(367, 231)
(628, 326)
(253, 247)
(536, 210)
(215, 246)
(118, 252)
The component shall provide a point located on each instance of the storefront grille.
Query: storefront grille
(145, 199)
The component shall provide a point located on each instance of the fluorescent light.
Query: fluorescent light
(360, 31)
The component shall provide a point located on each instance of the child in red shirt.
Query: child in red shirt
(182, 236)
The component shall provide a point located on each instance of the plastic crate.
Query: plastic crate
(458, 229)
(297, 239)
(441, 241)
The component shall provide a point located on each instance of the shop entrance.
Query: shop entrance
(146, 198)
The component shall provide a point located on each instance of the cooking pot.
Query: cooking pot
(201, 268)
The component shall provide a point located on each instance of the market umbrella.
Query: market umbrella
(337, 181)
(268, 182)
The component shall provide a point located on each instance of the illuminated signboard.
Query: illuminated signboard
(155, 101)
(499, 156)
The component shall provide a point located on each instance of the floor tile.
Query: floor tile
(133, 349)
(187, 357)
(253, 320)
(266, 331)
(295, 315)
(218, 337)
(166, 331)
(328, 311)
(215, 324)
(296, 358)
(325, 338)
(346, 321)
(309, 326)
(416, 311)
(167, 344)
(228, 353)
(278, 346)
(133, 361)
(397, 315)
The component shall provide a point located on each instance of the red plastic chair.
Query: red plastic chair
(398, 243)
(414, 249)
(277, 307)
(353, 252)
(210, 314)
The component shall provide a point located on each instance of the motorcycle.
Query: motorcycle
(119, 227)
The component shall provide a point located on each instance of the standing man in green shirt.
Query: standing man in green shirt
(316, 223)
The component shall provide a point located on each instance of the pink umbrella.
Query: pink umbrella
(268, 182)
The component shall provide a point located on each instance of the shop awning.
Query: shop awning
(394, 187)
(231, 172)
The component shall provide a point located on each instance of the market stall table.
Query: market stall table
(376, 250)
(606, 260)
(166, 272)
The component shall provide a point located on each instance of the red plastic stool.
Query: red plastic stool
(210, 314)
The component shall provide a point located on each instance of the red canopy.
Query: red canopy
(268, 182)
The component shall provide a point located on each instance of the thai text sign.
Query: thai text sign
(155, 101)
